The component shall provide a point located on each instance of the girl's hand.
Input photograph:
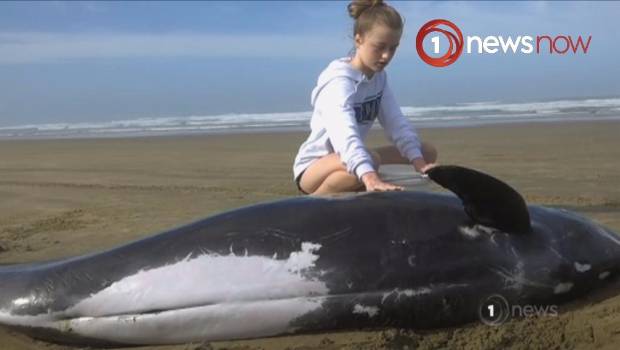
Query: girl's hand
(374, 184)
(428, 167)
(421, 166)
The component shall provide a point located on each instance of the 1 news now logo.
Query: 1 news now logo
(524, 44)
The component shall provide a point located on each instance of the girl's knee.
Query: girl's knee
(339, 181)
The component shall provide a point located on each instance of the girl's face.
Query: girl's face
(376, 48)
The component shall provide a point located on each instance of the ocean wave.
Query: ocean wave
(471, 113)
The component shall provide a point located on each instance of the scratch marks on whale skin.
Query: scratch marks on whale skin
(396, 295)
(582, 267)
(411, 260)
(370, 311)
(244, 243)
(399, 293)
(556, 253)
(561, 288)
(477, 231)
(338, 235)
(469, 232)
(515, 278)
(608, 234)
(280, 234)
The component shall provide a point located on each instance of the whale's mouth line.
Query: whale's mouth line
(155, 311)
(380, 295)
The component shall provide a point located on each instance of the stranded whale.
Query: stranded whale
(403, 259)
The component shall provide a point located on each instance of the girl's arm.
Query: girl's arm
(399, 130)
(338, 116)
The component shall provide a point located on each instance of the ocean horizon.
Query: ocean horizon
(457, 115)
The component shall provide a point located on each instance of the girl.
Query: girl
(350, 94)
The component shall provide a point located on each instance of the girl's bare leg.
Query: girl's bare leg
(329, 174)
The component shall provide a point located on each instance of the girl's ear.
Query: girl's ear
(358, 40)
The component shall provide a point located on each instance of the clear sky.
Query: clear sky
(98, 61)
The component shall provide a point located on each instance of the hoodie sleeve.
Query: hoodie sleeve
(334, 102)
(397, 127)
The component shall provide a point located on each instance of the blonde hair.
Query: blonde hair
(367, 13)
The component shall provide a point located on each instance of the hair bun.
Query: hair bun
(356, 7)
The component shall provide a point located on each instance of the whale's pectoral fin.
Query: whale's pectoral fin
(487, 200)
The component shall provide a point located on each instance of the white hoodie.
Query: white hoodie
(346, 104)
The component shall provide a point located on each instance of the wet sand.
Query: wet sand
(69, 197)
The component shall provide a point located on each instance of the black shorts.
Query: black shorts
(298, 180)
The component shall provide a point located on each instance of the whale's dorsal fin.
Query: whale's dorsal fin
(487, 200)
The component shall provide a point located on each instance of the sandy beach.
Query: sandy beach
(68, 197)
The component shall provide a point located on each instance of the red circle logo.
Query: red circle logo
(455, 39)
